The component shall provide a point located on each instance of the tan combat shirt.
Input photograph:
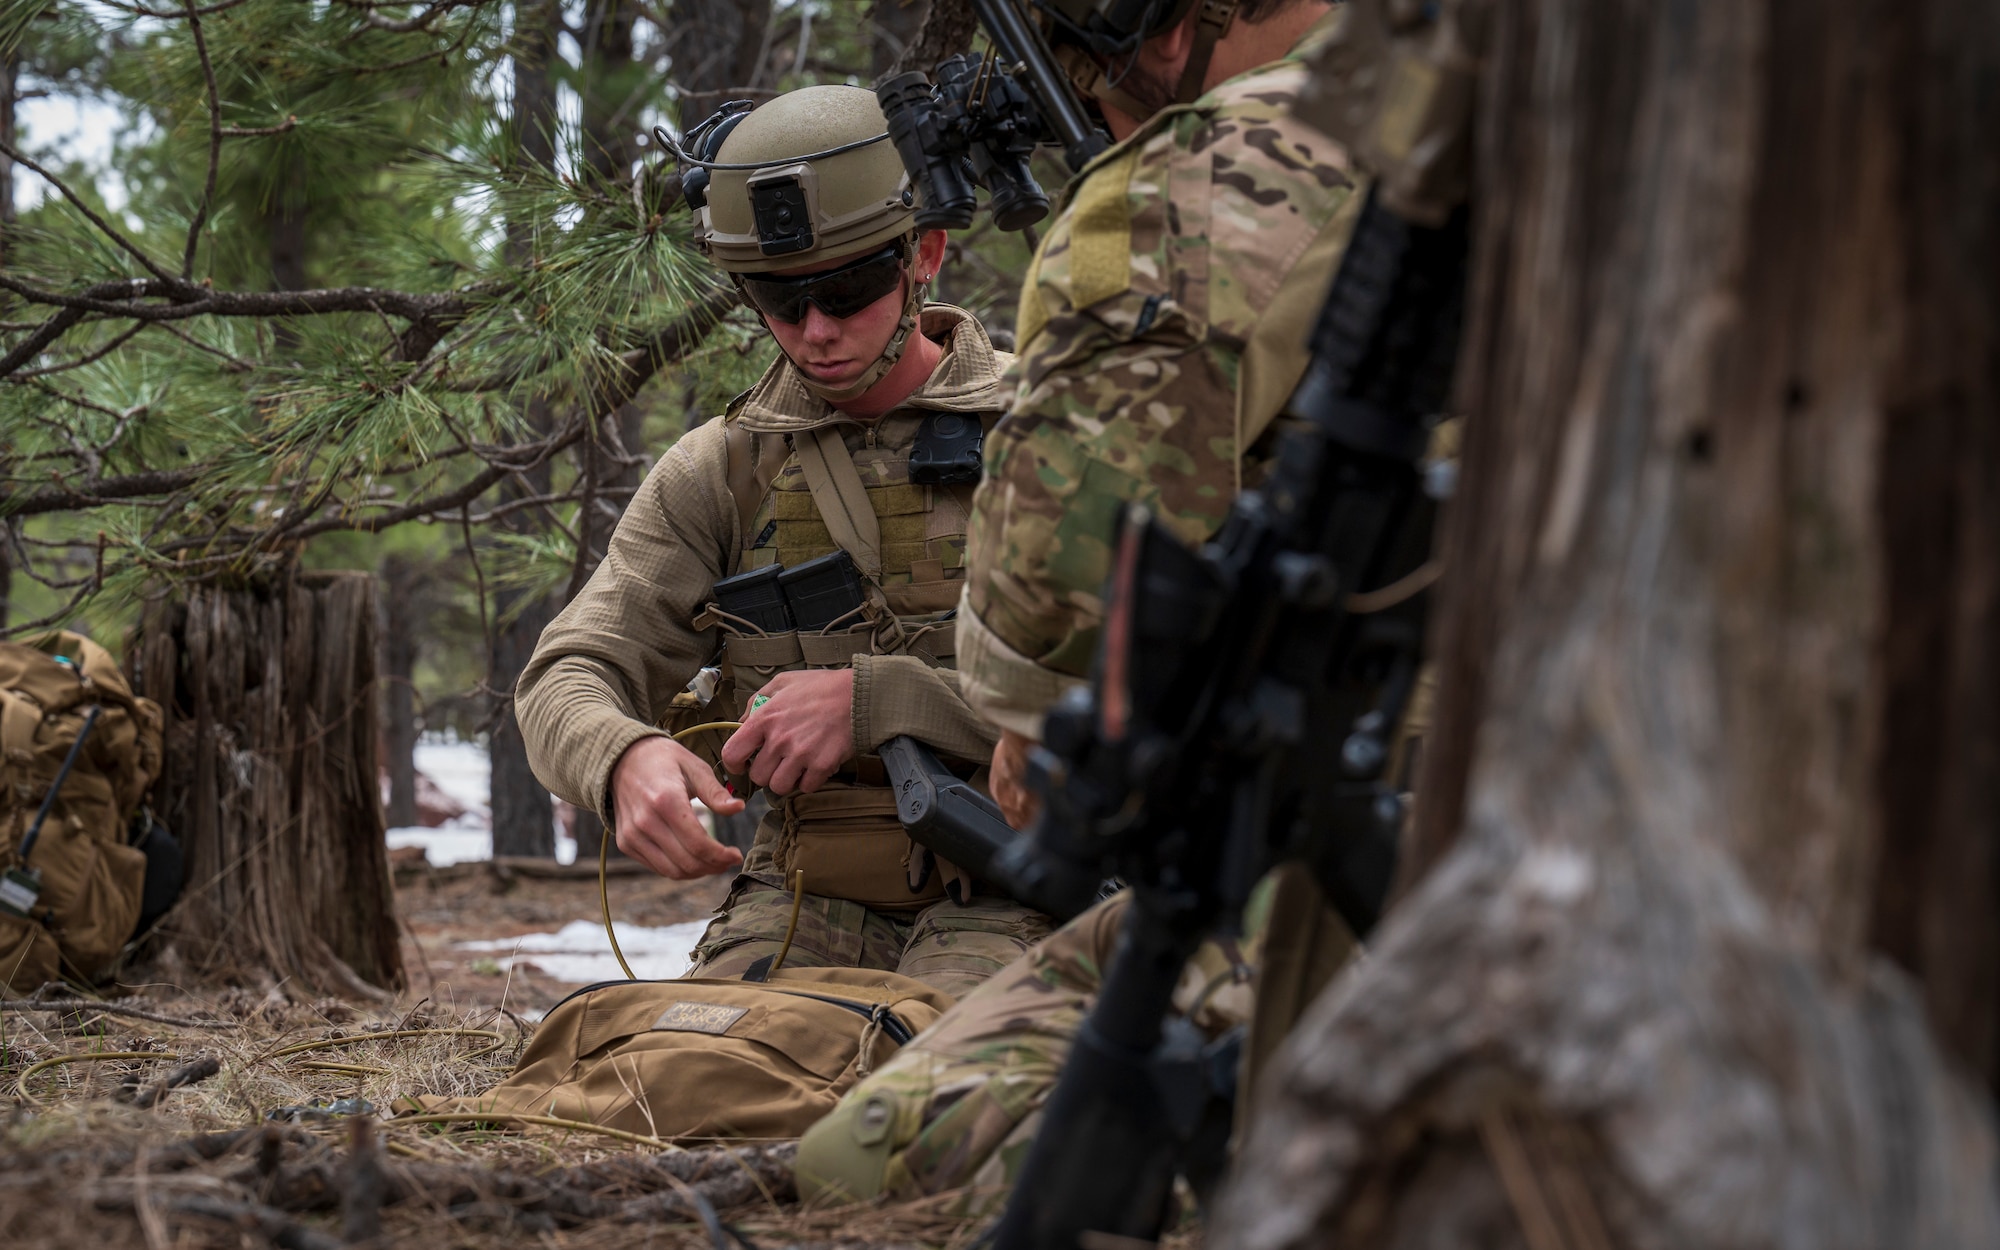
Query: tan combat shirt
(607, 668)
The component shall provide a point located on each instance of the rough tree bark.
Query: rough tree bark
(719, 52)
(523, 816)
(947, 29)
(401, 586)
(1719, 662)
(269, 781)
(9, 87)
(607, 88)
(893, 28)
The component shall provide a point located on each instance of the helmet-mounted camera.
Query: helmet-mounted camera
(783, 204)
(806, 177)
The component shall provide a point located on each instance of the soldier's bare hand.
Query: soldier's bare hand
(1009, 780)
(652, 787)
(802, 736)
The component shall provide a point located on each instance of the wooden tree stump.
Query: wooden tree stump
(1718, 667)
(270, 781)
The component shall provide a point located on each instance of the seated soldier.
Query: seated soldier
(809, 210)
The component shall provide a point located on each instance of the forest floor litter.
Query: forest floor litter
(194, 1117)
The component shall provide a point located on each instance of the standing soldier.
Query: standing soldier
(1162, 328)
(805, 204)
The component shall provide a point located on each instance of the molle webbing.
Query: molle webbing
(902, 510)
(922, 528)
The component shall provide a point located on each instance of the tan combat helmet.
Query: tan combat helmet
(806, 178)
(811, 176)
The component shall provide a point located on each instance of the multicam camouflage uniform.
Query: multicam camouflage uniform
(1161, 330)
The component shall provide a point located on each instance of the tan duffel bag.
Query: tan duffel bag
(90, 878)
(710, 1058)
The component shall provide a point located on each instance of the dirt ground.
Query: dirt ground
(442, 907)
(246, 1153)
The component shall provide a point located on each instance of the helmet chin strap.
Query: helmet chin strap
(892, 352)
(1211, 24)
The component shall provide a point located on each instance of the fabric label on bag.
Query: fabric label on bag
(698, 1018)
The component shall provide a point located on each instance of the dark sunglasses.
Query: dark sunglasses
(839, 293)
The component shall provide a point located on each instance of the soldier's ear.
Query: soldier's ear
(930, 254)
(1168, 51)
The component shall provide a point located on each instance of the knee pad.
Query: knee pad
(845, 1157)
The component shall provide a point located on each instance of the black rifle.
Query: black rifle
(941, 811)
(1240, 716)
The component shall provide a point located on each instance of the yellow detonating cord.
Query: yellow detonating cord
(105, 1056)
(792, 925)
(604, 859)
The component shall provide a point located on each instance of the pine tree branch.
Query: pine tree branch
(45, 334)
(140, 10)
(186, 299)
(404, 26)
(253, 132)
(13, 154)
(441, 55)
(671, 344)
(214, 141)
(96, 491)
(445, 501)
(90, 359)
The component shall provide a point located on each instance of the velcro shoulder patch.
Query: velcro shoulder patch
(1100, 243)
(1032, 315)
(698, 1018)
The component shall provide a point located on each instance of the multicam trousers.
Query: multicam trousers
(958, 1107)
(948, 946)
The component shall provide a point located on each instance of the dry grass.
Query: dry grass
(81, 1165)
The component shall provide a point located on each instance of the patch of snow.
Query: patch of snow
(464, 771)
(447, 845)
(580, 954)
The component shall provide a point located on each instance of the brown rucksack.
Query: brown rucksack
(711, 1058)
(90, 879)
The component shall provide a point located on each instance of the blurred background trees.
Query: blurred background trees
(398, 288)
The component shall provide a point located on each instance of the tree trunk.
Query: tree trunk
(719, 53)
(287, 225)
(269, 781)
(1718, 655)
(946, 30)
(523, 816)
(9, 79)
(893, 27)
(609, 86)
(400, 617)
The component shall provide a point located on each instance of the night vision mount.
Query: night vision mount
(981, 121)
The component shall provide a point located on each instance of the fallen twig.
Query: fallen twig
(148, 1095)
(274, 1225)
(111, 1009)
